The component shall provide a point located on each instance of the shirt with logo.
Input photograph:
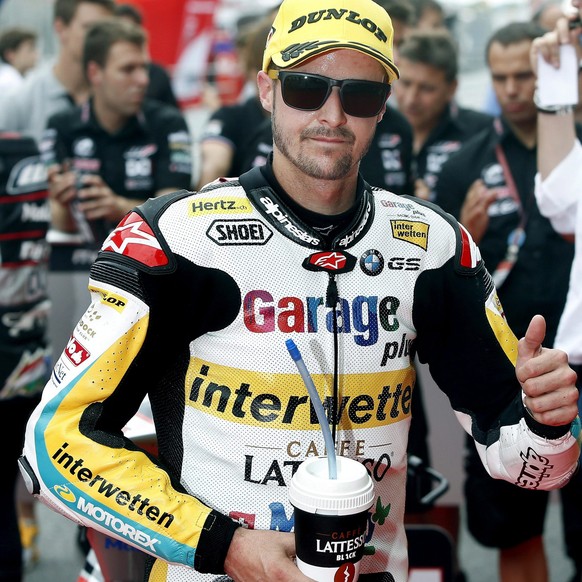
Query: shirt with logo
(538, 283)
(455, 127)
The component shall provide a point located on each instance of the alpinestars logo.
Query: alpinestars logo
(331, 261)
(135, 239)
(281, 217)
(535, 469)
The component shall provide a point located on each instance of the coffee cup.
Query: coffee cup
(331, 518)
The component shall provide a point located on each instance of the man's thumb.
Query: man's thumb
(530, 345)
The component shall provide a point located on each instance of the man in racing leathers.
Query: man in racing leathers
(194, 295)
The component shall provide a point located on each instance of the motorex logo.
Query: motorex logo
(116, 524)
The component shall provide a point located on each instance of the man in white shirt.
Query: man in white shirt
(559, 196)
(61, 83)
(18, 55)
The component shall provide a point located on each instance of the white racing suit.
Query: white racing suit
(193, 297)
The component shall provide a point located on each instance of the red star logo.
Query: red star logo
(331, 261)
(135, 239)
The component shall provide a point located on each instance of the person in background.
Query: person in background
(489, 186)
(558, 191)
(548, 14)
(105, 156)
(25, 358)
(545, 16)
(403, 18)
(60, 84)
(117, 149)
(426, 97)
(18, 55)
(160, 85)
(195, 294)
(238, 136)
(430, 14)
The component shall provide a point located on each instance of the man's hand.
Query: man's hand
(548, 382)
(262, 556)
(548, 45)
(97, 200)
(61, 184)
(474, 212)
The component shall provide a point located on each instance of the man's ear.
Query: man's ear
(93, 73)
(382, 112)
(453, 89)
(266, 90)
(59, 26)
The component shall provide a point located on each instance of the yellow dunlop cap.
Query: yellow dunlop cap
(305, 28)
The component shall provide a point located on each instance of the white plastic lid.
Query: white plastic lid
(312, 491)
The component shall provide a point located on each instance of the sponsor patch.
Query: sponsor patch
(331, 261)
(411, 231)
(239, 232)
(111, 299)
(76, 352)
(84, 147)
(201, 206)
(372, 262)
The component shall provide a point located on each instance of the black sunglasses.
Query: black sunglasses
(308, 92)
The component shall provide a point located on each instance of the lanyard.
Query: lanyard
(516, 237)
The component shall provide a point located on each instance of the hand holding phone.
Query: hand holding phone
(559, 86)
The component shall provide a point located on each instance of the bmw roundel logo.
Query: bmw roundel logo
(372, 262)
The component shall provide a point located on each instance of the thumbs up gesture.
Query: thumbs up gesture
(548, 382)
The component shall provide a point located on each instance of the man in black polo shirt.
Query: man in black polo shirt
(118, 149)
(104, 158)
(428, 61)
(489, 187)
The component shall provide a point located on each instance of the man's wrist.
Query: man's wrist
(551, 109)
(214, 543)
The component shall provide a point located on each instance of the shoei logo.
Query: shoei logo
(411, 231)
(65, 493)
(239, 232)
(201, 206)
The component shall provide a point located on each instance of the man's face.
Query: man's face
(326, 144)
(120, 86)
(513, 80)
(422, 93)
(25, 56)
(72, 36)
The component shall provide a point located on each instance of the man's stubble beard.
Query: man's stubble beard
(309, 165)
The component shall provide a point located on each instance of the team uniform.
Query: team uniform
(455, 127)
(152, 152)
(25, 359)
(388, 163)
(537, 283)
(238, 126)
(193, 297)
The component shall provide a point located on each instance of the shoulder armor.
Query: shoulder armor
(137, 239)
